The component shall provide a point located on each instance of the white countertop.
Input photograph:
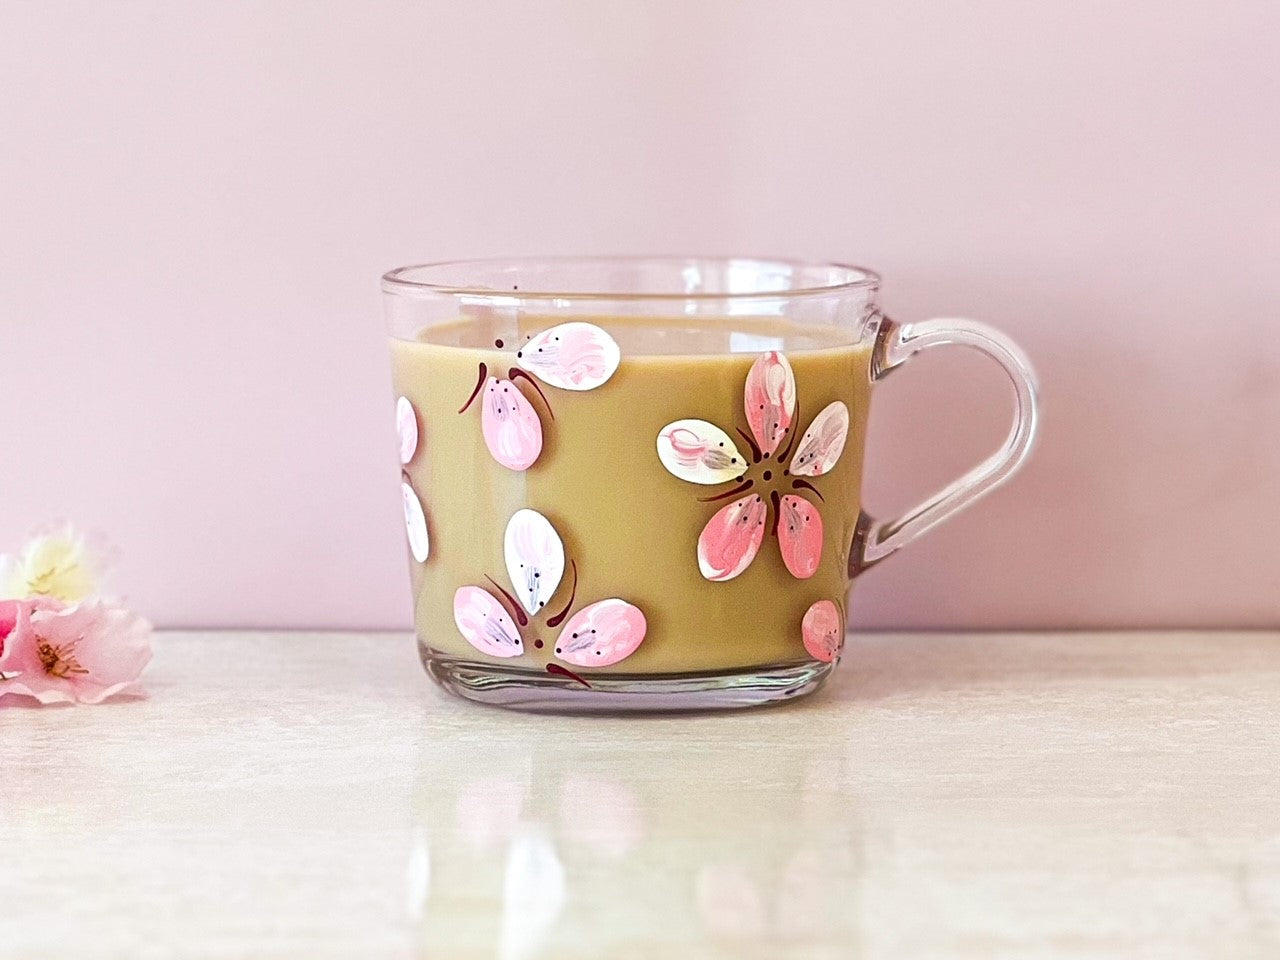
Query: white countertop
(992, 796)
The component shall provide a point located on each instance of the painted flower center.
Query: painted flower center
(58, 661)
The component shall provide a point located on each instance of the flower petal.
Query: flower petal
(15, 630)
(57, 562)
(571, 356)
(485, 624)
(601, 634)
(699, 452)
(822, 444)
(512, 430)
(407, 425)
(800, 536)
(731, 538)
(77, 653)
(415, 522)
(770, 399)
(535, 558)
(822, 631)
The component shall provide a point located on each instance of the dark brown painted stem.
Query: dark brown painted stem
(559, 617)
(755, 450)
(516, 608)
(515, 372)
(556, 670)
(799, 482)
(728, 493)
(484, 372)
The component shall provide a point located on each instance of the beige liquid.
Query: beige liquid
(630, 526)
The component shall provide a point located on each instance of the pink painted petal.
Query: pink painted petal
(512, 430)
(800, 536)
(822, 444)
(699, 452)
(770, 399)
(602, 634)
(822, 631)
(571, 356)
(415, 522)
(535, 558)
(407, 425)
(485, 624)
(731, 538)
(77, 653)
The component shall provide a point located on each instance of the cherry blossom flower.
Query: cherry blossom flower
(598, 635)
(77, 653)
(570, 356)
(58, 562)
(700, 452)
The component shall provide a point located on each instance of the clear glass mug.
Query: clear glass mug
(635, 483)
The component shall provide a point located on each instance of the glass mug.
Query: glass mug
(635, 483)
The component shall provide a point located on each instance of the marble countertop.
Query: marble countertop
(993, 796)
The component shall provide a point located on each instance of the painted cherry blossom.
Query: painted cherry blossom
(700, 452)
(71, 653)
(597, 635)
(415, 518)
(570, 356)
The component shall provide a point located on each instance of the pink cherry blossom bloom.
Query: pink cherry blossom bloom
(79, 653)
(698, 451)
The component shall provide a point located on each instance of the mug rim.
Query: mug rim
(846, 277)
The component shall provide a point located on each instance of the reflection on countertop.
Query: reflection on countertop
(977, 796)
(554, 837)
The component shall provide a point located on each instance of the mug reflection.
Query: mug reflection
(539, 842)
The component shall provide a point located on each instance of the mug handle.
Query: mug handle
(873, 540)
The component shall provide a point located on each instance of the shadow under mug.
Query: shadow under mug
(635, 483)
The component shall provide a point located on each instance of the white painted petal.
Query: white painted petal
(407, 425)
(415, 522)
(699, 452)
(822, 444)
(535, 558)
(485, 624)
(571, 356)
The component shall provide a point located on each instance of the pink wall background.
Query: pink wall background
(196, 201)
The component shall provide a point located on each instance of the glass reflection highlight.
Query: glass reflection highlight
(554, 838)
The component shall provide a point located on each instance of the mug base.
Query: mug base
(499, 685)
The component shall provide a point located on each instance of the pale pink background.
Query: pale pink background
(196, 201)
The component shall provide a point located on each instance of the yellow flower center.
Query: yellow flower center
(42, 584)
